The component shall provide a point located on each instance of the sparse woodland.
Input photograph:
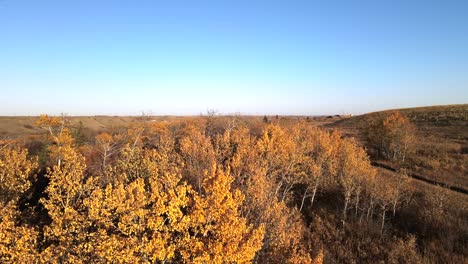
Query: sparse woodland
(217, 189)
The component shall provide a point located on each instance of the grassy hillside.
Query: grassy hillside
(441, 152)
(447, 121)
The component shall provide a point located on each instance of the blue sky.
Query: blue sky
(252, 57)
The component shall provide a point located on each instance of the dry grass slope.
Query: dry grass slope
(442, 146)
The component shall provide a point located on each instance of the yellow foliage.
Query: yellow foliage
(15, 169)
(17, 243)
(185, 197)
(218, 233)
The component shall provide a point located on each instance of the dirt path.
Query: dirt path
(421, 178)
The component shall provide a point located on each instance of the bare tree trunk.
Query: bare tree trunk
(199, 184)
(383, 221)
(286, 191)
(277, 188)
(303, 198)
(313, 195)
(344, 210)
(404, 153)
(370, 210)
(357, 204)
(104, 159)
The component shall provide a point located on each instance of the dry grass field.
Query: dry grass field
(14, 126)
(441, 150)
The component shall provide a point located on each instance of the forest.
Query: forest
(224, 189)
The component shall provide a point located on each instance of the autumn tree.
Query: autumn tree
(16, 168)
(372, 189)
(106, 145)
(392, 135)
(68, 230)
(161, 137)
(399, 189)
(285, 233)
(145, 212)
(279, 155)
(139, 216)
(384, 195)
(152, 215)
(17, 240)
(319, 162)
(218, 233)
(354, 167)
(203, 190)
(135, 135)
(437, 200)
(59, 137)
(234, 150)
(197, 153)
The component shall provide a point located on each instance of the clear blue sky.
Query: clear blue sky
(253, 57)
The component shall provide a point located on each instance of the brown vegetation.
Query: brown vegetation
(438, 154)
(217, 189)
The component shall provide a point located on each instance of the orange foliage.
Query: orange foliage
(392, 135)
(177, 193)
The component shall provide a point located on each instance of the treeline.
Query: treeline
(204, 190)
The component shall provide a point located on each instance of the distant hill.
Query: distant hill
(446, 120)
(442, 148)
